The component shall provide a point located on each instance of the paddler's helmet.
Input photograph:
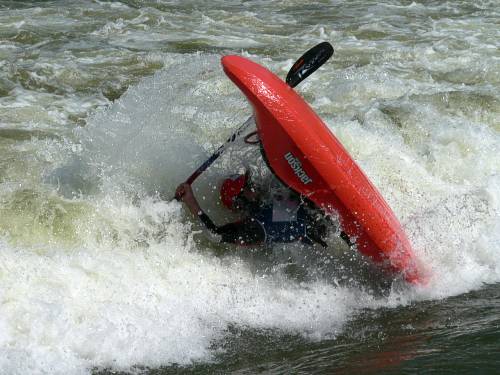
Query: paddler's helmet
(231, 188)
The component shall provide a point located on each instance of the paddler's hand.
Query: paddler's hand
(180, 191)
(184, 192)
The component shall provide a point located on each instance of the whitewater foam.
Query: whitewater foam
(98, 271)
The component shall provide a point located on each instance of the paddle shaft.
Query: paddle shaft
(219, 151)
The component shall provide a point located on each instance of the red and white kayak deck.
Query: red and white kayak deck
(306, 156)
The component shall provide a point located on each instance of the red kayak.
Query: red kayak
(306, 156)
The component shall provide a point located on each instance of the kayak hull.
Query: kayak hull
(306, 156)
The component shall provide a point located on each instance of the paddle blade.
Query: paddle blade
(309, 63)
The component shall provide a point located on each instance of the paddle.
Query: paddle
(308, 63)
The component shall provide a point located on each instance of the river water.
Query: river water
(105, 106)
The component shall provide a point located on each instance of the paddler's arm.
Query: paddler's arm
(185, 193)
(244, 232)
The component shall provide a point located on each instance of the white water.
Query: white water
(97, 271)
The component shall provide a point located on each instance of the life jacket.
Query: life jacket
(284, 221)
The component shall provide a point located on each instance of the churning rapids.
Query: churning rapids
(106, 106)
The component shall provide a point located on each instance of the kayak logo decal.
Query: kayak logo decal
(296, 166)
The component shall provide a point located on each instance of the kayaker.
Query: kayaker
(286, 219)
